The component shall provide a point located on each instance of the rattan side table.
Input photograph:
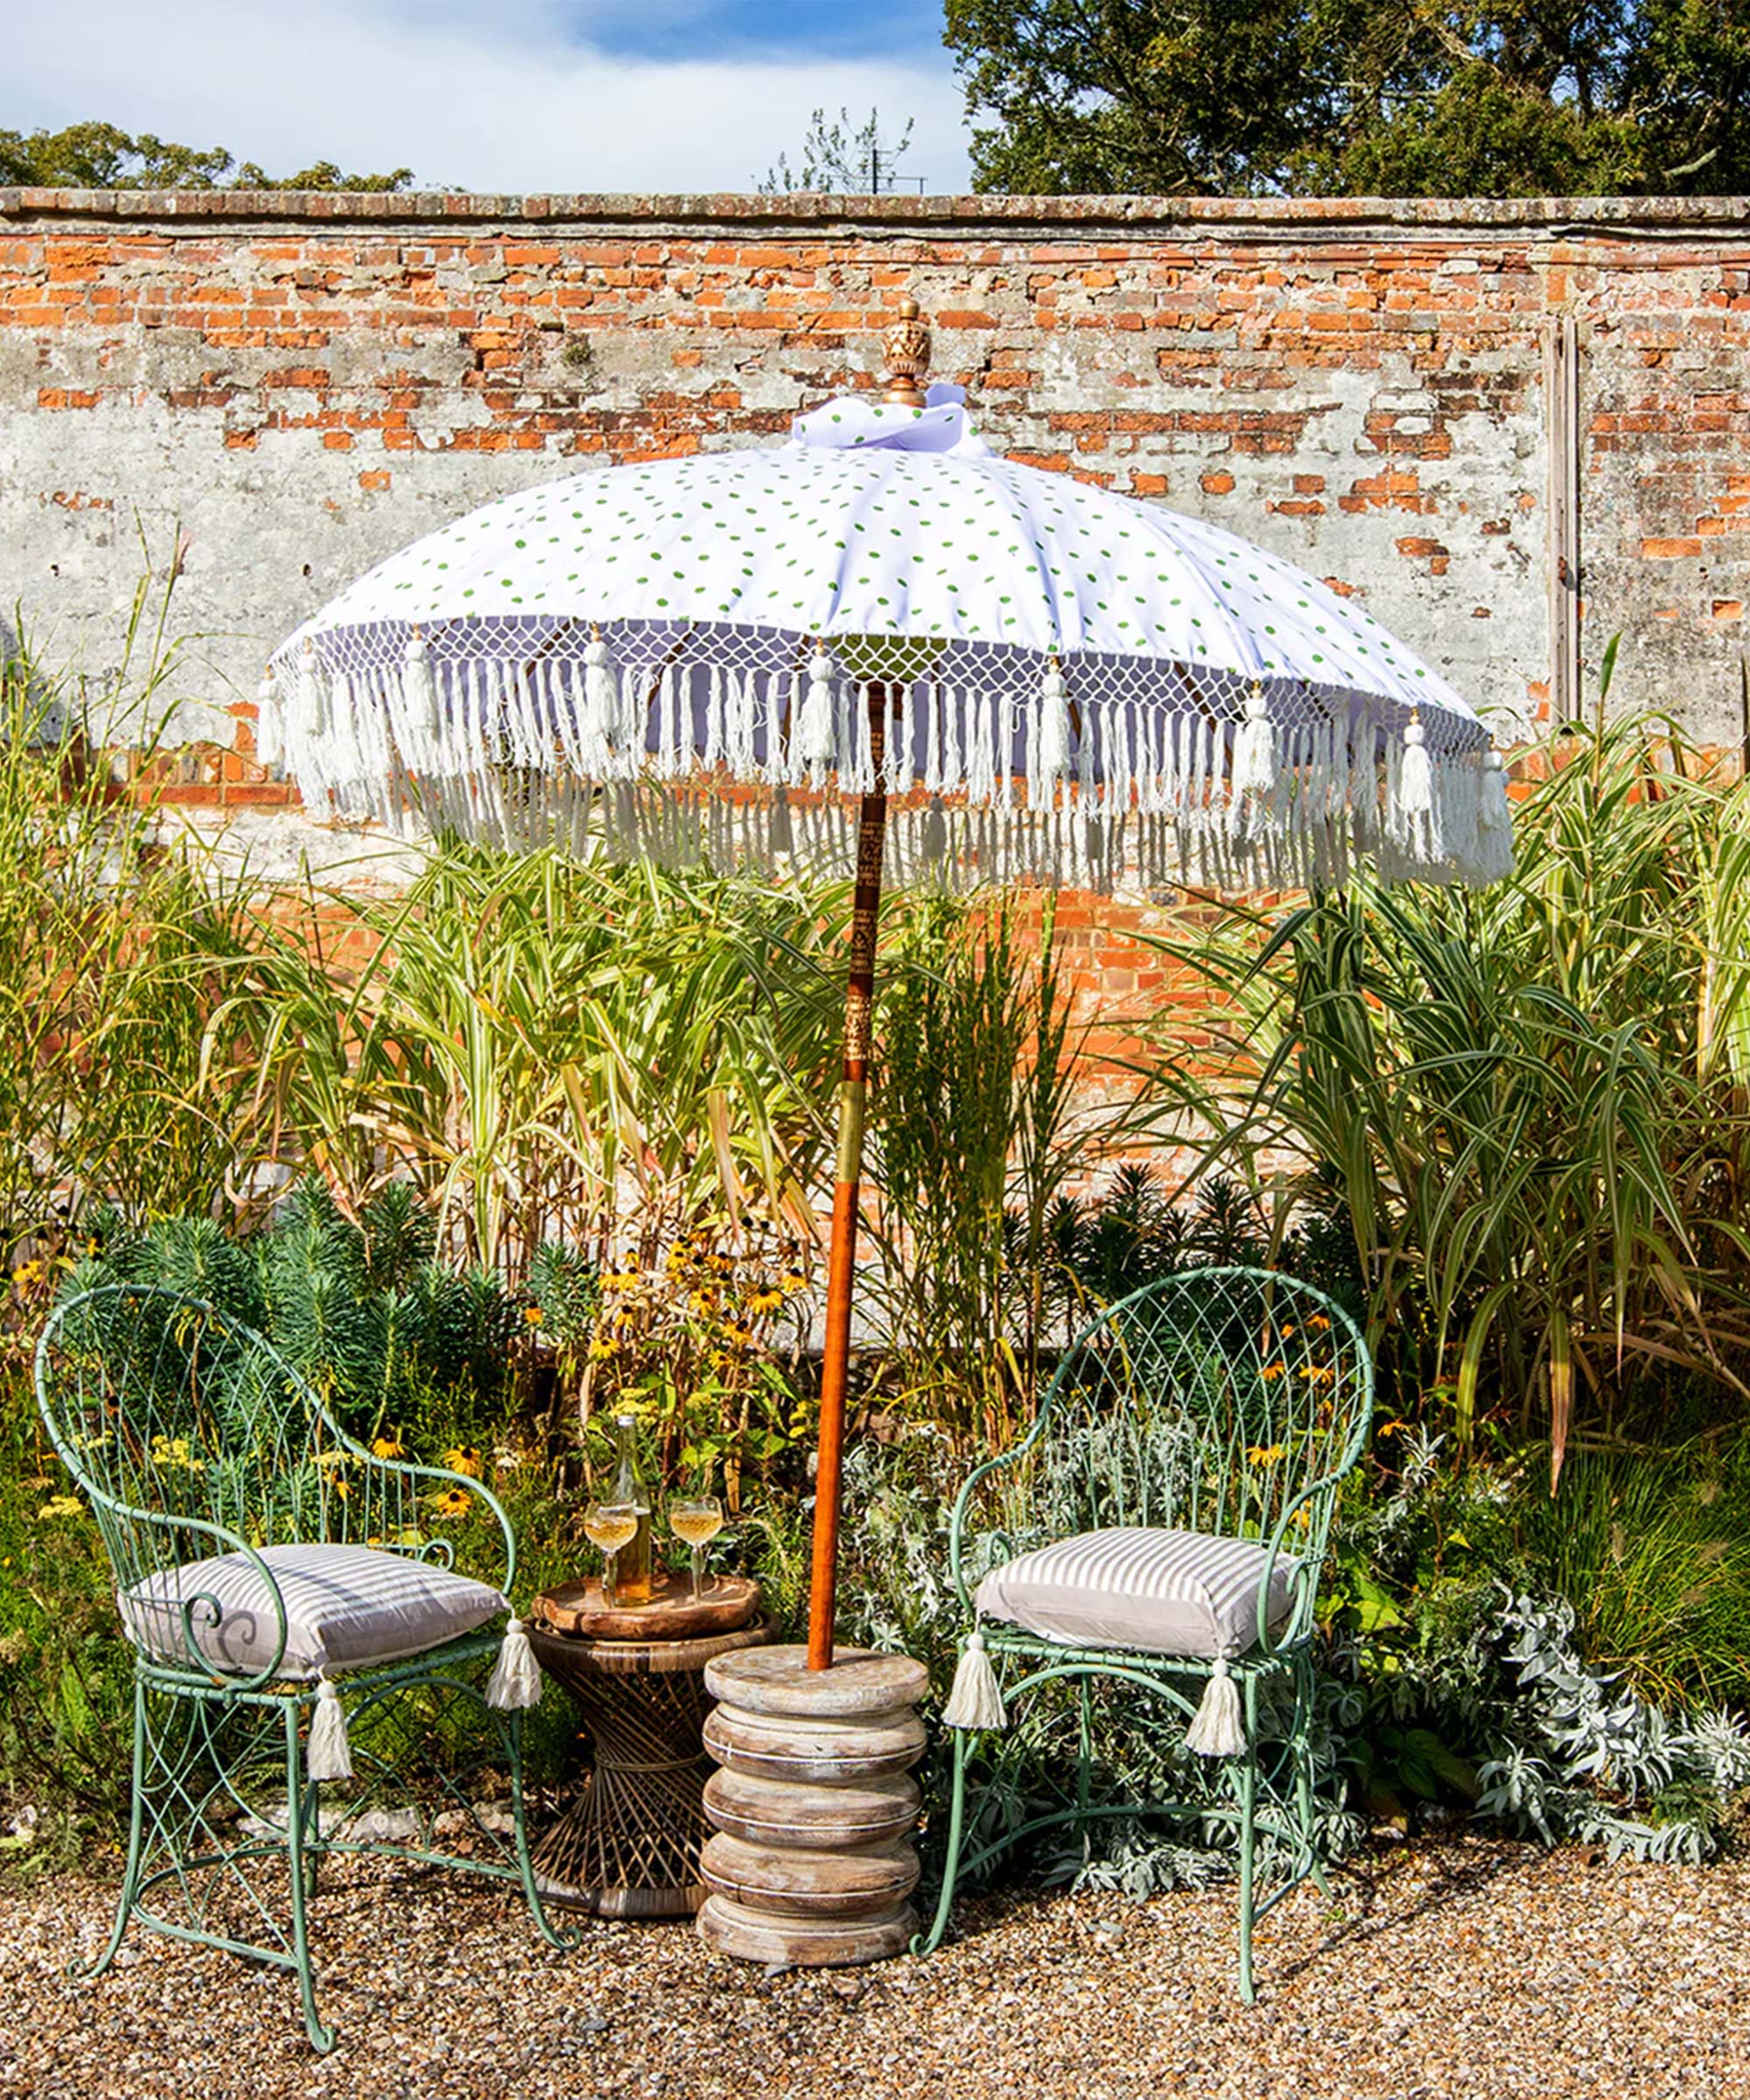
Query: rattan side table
(628, 1845)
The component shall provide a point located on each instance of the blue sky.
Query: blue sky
(735, 28)
(516, 95)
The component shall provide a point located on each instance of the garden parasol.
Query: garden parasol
(879, 646)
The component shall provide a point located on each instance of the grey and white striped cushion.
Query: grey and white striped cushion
(1166, 1592)
(345, 1607)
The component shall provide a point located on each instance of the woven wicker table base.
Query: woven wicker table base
(628, 1846)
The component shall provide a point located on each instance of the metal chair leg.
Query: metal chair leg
(926, 1942)
(321, 2036)
(1303, 1790)
(565, 1936)
(130, 1872)
(1246, 1780)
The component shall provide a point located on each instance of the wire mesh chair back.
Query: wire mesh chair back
(179, 1422)
(1221, 1400)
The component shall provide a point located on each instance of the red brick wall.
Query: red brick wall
(298, 385)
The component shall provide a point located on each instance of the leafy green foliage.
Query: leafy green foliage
(393, 1339)
(1527, 1103)
(1346, 97)
(94, 155)
(112, 1089)
(839, 156)
(977, 1132)
(547, 1051)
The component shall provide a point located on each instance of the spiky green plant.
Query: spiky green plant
(1525, 1098)
(549, 1050)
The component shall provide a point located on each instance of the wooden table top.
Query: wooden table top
(576, 1611)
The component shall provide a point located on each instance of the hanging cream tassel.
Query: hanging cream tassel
(817, 737)
(328, 1755)
(309, 693)
(1052, 734)
(419, 701)
(270, 729)
(977, 1699)
(1216, 1729)
(601, 737)
(516, 1674)
(1415, 775)
(1252, 782)
(1494, 821)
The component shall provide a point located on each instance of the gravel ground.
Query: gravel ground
(1456, 1971)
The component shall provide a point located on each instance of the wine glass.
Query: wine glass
(696, 1520)
(609, 1526)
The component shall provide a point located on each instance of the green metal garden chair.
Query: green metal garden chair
(304, 1652)
(1162, 1527)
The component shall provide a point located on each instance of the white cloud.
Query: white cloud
(503, 98)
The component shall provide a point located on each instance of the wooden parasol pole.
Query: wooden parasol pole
(841, 1266)
(907, 351)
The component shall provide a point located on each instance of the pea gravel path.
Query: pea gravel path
(1456, 1971)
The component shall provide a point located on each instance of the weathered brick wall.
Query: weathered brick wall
(298, 385)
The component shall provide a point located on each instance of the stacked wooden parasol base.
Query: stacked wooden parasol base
(811, 1862)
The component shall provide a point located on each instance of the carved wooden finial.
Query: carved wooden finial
(908, 356)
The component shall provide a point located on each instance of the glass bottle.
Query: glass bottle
(632, 1570)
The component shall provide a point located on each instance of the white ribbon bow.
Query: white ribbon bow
(852, 423)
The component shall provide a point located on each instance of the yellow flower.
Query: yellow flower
(341, 1488)
(765, 1301)
(1265, 1454)
(464, 1459)
(327, 1458)
(1317, 1322)
(792, 1281)
(1319, 1374)
(174, 1453)
(702, 1302)
(531, 1316)
(602, 1348)
(60, 1505)
(453, 1502)
(385, 1447)
(738, 1337)
(1392, 1428)
(1271, 1371)
(626, 1279)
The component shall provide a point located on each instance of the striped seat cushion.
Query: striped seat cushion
(345, 1607)
(1165, 1593)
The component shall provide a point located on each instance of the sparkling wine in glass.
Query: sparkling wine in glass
(696, 1522)
(609, 1526)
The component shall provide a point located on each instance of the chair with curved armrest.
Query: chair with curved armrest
(295, 1629)
(1179, 1480)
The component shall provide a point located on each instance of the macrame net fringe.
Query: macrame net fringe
(725, 746)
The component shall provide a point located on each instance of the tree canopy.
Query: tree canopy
(101, 157)
(1401, 98)
(837, 157)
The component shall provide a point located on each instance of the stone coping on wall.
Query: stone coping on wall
(1232, 218)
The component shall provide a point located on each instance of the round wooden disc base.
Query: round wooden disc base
(755, 1935)
(812, 1861)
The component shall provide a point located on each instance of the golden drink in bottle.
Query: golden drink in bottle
(632, 1568)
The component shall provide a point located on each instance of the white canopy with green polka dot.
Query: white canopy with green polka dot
(1076, 685)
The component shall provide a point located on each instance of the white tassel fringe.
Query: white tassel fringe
(516, 1674)
(1216, 1728)
(977, 1699)
(328, 1755)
